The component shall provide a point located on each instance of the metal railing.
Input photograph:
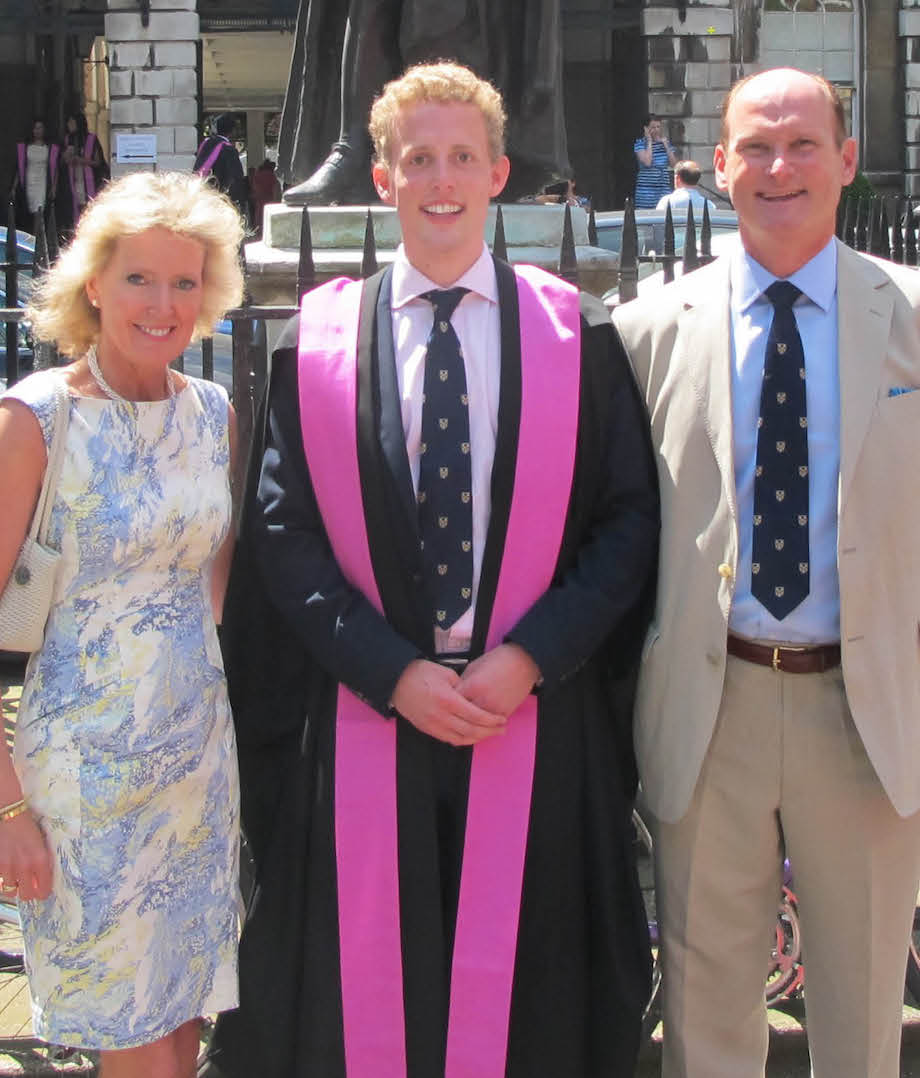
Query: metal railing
(885, 227)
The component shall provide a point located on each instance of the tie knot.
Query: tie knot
(782, 294)
(444, 301)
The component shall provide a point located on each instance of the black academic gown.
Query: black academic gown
(294, 627)
(226, 171)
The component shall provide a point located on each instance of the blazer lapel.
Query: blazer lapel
(864, 312)
(704, 337)
(386, 483)
(392, 435)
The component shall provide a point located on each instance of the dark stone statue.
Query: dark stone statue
(344, 53)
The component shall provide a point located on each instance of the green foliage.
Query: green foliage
(859, 188)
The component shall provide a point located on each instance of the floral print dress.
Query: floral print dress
(124, 744)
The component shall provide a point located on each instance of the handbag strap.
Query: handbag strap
(42, 516)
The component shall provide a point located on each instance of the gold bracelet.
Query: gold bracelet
(10, 812)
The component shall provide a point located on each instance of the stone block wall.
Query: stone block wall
(909, 32)
(690, 71)
(153, 79)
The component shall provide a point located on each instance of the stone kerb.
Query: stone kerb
(153, 79)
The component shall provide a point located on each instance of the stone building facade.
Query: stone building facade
(863, 46)
(136, 66)
(153, 78)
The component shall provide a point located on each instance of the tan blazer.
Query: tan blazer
(679, 341)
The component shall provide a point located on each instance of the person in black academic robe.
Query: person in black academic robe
(294, 628)
(225, 167)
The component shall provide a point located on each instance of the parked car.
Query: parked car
(25, 253)
(650, 229)
(223, 355)
(650, 241)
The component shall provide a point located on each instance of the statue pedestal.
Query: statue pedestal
(533, 234)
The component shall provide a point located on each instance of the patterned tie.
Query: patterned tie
(779, 566)
(445, 482)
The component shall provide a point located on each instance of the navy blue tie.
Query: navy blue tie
(445, 483)
(780, 569)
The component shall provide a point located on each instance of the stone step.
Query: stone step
(533, 235)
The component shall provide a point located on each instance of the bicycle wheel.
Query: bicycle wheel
(913, 956)
(786, 972)
(642, 840)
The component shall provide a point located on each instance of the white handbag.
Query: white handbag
(26, 599)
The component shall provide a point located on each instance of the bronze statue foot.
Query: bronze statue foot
(333, 182)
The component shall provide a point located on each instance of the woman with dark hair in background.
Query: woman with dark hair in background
(654, 156)
(35, 175)
(85, 168)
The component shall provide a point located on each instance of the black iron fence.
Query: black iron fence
(884, 226)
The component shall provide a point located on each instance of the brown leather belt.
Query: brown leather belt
(788, 658)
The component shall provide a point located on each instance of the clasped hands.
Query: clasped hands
(463, 709)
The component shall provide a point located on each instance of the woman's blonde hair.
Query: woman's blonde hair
(182, 202)
(441, 83)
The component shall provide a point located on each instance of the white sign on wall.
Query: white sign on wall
(136, 149)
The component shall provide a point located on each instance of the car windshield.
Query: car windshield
(25, 252)
(25, 249)
(650, 235)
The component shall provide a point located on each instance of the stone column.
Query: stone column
(153, 82)
(909, 32)
(255, 137)
(689, 72)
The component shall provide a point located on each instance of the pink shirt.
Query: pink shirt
(477, 324)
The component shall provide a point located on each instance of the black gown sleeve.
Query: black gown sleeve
(340, 629)
(605, 578)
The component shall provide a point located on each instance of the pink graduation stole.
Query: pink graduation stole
(204, 169)
(501, 777)
(53, 155)
(89, 179)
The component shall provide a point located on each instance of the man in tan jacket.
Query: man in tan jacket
(779, 700)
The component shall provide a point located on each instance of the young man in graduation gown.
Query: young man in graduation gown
(454, 521)
(218, 157)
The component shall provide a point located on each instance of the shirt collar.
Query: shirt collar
(410, 283)
(817, 278)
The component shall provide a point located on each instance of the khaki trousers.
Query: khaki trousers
(786, 771)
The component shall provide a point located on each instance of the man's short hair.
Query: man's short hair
(441, 83)
(224, 124)
(689, 172)
(833, 96)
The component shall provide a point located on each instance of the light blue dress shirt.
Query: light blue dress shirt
(817, 618)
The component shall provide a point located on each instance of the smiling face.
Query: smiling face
(149, 296)
(783, 165)
(440, 177)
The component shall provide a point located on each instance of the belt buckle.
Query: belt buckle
(777, 655)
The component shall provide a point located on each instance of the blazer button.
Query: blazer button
(726, 571)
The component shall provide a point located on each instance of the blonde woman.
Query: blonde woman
(118, 810)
